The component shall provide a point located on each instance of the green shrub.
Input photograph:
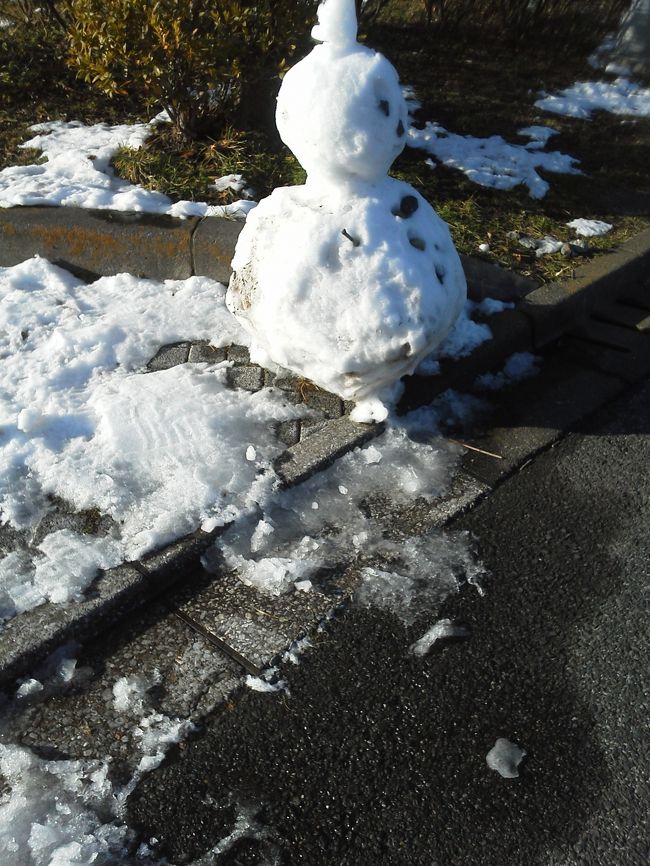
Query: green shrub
(207, 62)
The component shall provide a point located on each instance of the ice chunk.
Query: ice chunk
(440, 630)
(505, 757)
(590, 228)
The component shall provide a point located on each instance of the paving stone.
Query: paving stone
(485, 280)
(156, 646)
(169, 356)
(533, 415)
(164, 567)
(511, 333)
(213, 246)
(256, 625)
(625, 315)
(329, 404)
(62, 516)
(238, 354)
(322, 448)
(422, 516)
(203, 353)
(249, 378)
(98, 242)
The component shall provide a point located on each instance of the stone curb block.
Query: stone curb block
(93, 243)
(26, 640)
(554, 308)
(322, 448)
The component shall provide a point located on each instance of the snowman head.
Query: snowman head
(341, 109)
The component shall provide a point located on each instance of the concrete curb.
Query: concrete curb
(103, 243)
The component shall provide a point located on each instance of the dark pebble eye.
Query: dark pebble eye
(418, 243)
(407, 206)
(384, 106)
(440, 273)
(400, 129)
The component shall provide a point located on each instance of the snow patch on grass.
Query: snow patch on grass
(621, 96)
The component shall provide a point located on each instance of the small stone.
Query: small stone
(484, 248)
(440, 273)
(384, 106)
(400, 129)
(407, 207)
(418, 243)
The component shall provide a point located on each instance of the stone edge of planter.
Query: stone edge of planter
(102, 243)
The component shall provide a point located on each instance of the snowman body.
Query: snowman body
(352, 279)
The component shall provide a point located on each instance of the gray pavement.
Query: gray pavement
(377, 757)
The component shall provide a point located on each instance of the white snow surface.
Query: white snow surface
(492, 161)
(590, 228)
(504, 757)
(622, 96)
(77, 173)
(161, 453)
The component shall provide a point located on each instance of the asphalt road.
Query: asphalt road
(377, 757)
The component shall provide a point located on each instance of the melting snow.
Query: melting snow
(494, 162)
(621, 96)
(590, 228)
(81, 420)
(77, 173)
(520, 366)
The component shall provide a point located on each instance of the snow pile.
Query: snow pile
(77, 173)
(621, 96)
(160, 453)
(352, 279)
(504, 757)
(492, 161)
(590, 228)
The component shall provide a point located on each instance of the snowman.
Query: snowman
(352, 279)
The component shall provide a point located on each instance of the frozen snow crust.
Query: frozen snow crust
(352, 279)
(373, 284)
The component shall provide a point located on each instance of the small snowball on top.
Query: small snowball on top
(341, 109)
(337, 23)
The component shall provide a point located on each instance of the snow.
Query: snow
(518, 367)
(590, 228)
(83, 421)
(622, 96)
(494, 162)
(77, 173)
(504, 757)
(352, 279)
(441, 630)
